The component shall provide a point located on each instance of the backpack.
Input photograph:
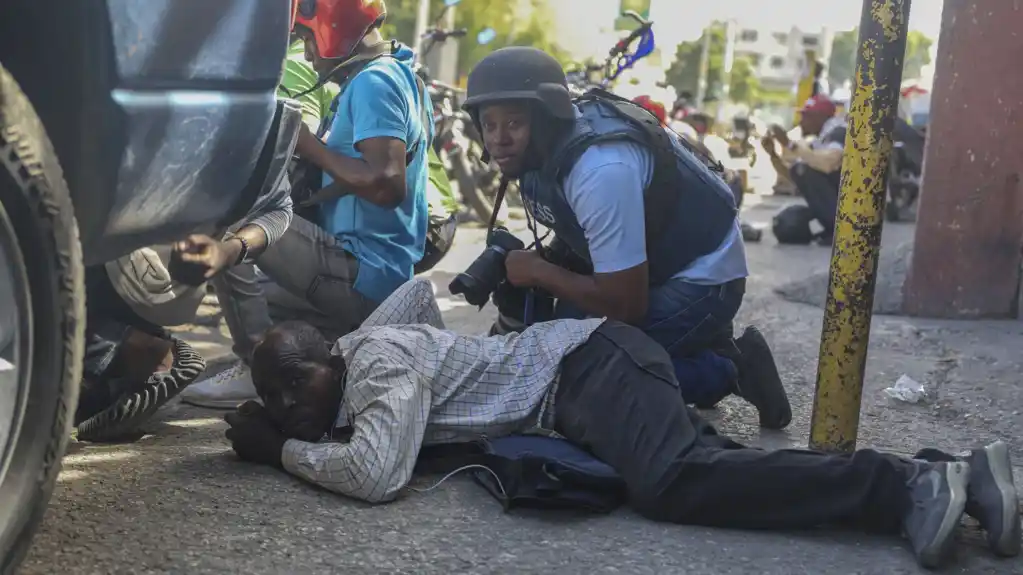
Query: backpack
(660, 206)
(531, 471)
(791, 225)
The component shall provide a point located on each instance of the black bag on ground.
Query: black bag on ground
(532, 471)
(791, 225)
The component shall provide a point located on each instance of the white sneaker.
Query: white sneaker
(225, 390)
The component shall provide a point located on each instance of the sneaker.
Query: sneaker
(759, 382)
(136, 403)
(225, 390)
(992, 498)
(938, 493)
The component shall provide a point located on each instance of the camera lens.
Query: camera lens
(469, 287)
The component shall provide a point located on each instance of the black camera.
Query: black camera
(484, 274)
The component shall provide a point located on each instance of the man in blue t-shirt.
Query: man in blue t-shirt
(371, 216)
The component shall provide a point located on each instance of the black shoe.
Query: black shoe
(938, 493)
(122, 421)
(992, 498)
(759, 382)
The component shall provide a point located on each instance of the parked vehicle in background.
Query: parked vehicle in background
(123, 123)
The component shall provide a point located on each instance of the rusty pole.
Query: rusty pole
(846, 331)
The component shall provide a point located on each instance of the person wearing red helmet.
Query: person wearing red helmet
(654, 107)
(815, 166)
(365, 226)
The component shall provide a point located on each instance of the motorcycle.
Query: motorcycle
(742, 140)
(904, 173)
(456, 140)
(619, 58)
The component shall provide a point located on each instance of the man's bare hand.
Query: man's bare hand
(198, 258)
(522, 267)
(253, 435)
(779, 135)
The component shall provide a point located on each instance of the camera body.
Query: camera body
(486, 279)
(487, 271)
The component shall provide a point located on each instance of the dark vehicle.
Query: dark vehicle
(123, 123)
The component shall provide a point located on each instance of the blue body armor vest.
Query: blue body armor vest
(689, 208)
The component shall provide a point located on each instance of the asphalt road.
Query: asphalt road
(179, 501)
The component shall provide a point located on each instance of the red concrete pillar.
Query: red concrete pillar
(969, 236)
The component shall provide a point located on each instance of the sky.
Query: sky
(681, 20)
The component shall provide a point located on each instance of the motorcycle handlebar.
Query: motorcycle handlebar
(439, 35)
(448, 87)
(644, 27)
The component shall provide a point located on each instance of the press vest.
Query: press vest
(689, 208)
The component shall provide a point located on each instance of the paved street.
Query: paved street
(179, 501)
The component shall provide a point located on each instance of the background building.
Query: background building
(777, 54)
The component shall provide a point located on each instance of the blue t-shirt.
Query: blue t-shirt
(383, 100)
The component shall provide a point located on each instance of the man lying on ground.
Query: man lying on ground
(402, 381)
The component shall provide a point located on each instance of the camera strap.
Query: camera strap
(502, 189)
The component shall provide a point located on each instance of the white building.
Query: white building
(778, 56)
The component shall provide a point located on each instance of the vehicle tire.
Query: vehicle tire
(39, 240)
(467, 187)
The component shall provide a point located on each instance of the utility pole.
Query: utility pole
(422, 23)
(701, 86)
(447, 53)
(726, 68)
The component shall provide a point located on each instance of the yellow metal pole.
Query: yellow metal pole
(804, 89)
(846, 331)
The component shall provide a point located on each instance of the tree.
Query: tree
(842, 66)
(745, 86)
(918, 54)
(474, 16)
(684, 73)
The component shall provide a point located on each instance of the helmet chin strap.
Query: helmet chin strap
(364, 55)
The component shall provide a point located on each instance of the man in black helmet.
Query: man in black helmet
(657, 226)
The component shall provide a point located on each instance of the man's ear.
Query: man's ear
(337, 364)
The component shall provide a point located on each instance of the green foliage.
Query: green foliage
(918, 54)
(744, 87)
(684, 73)
(474, 16)
(842, 66)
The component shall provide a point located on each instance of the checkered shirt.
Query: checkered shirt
(410, 382)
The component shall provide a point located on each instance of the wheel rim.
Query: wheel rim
(15, 339)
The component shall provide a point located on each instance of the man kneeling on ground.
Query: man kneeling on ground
(814, 167)
(402, 381)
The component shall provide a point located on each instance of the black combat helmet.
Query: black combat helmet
(519, 73)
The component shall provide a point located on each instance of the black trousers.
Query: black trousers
(617, 397)
(820, 191)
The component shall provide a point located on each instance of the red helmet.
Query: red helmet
(338, 26)
(655, 107)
